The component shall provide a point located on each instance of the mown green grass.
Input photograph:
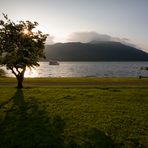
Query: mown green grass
(88, 79)
(74, 117)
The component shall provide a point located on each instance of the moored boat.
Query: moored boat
(53, 62)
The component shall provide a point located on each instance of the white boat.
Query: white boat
(53, 62)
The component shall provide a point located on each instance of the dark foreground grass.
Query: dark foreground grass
(71, 117)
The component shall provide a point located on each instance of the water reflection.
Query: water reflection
(86, 69)
(33, 72)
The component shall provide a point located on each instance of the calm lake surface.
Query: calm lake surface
(87, 69)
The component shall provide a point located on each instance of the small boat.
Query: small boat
(53, 62)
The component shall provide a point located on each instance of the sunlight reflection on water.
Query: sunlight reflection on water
(86, 69)
(33, 72)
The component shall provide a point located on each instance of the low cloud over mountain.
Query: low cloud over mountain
(94, 37)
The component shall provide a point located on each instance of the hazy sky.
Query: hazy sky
(121, 19)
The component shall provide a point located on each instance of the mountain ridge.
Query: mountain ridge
(102, 51)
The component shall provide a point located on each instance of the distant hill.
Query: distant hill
(102, 51)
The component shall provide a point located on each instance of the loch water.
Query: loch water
(87, 69)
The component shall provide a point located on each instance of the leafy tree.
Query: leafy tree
(20, 46)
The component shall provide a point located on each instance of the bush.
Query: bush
(2, 73)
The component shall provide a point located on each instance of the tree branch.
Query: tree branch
(13, 71)
(18, 71)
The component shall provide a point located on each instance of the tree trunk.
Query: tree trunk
(20, 79)
(19, 76)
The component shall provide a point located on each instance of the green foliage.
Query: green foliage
(20, 46)
(2, 72)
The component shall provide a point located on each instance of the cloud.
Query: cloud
(93, 36)
(50, 40)
(85, 37)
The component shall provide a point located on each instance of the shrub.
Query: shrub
(2, 73)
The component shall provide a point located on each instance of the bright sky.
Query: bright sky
(60, 18)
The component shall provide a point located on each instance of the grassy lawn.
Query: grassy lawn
(87, 117)
(87, 79)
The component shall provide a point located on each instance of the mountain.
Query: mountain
(102, 51)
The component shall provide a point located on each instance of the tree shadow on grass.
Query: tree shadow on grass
(27, 125)
(95, 138)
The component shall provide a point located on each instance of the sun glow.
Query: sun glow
(31, 72)
(26, 31)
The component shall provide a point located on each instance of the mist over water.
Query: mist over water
(87, 69)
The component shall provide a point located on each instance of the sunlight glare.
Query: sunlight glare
(26, 31)
(31, 73)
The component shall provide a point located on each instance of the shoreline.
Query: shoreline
(89, 81)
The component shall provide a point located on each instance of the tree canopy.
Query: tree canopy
(21, 46)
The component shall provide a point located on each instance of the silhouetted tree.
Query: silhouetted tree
(20, 46)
